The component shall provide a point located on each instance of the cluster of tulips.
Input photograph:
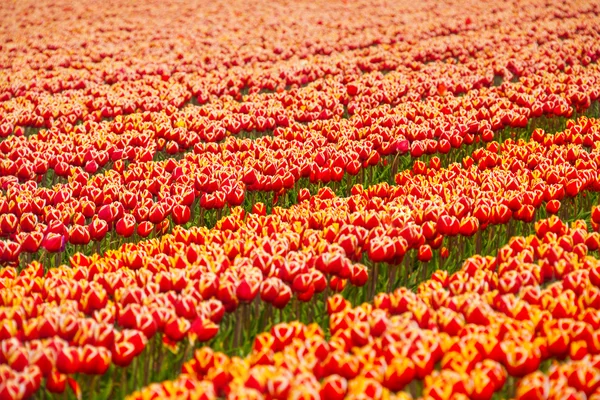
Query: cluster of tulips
(496, 184)
(63, 323)
(176, 290)
(89, 63)
(470, 334)
(159, 150)
(151, 196)
(103, 181)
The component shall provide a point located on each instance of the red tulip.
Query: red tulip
(352, 88)
(448, 225)
(127, 345)
(303, 194)
(235, 197)
(8, 223)
(125, 226)
(337, 284)
(181, 214)
(398, 374)
(144, 228)
(202, 330)
(381, 249)
(56, 382)
(283, 298)
(595, 216)
(30, 242)
(68, 360)
(259, 209)
(553, 206)
(98, 229)
(53, 242)
(425, 253)
(247, 290)
(79, 235)
(177, 328)
(156, 213)
(95, 360)
(334, 387)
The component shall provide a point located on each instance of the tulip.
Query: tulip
(144, 228)
(95, 360)
(303, 194)
(31, 242)
(448, 225)
(125, 226)
(98, 229)
(68, 360)
(352, 88)
(8, 223)
(56, 382)
(202, 330)
(53, 242)
(79, 235)
(123, 353)
(177, 328)
(156, 213)
(259, 209)
(236, 196)
(423, 362)
(381, 249)
(399, 373)
(181, 214)
(425, 253)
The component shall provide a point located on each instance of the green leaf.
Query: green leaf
(106, 391)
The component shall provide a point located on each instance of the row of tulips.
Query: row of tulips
(63, 61)
(76, 152)
(483, 330)
(428, 202)
(178, 289)
(147, 197)
(110, 318)
(89, 148)
(53, 75)
(152, 196)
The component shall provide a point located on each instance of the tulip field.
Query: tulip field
(325, 199)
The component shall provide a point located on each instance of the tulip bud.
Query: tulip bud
(68, 360)
(98, 229)
(202, 329)
(56, 382)
(334, 387)
(144, 228)
(181, 214)
(425, 253)
(54, 242)
(125, 226)
(247, 290)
